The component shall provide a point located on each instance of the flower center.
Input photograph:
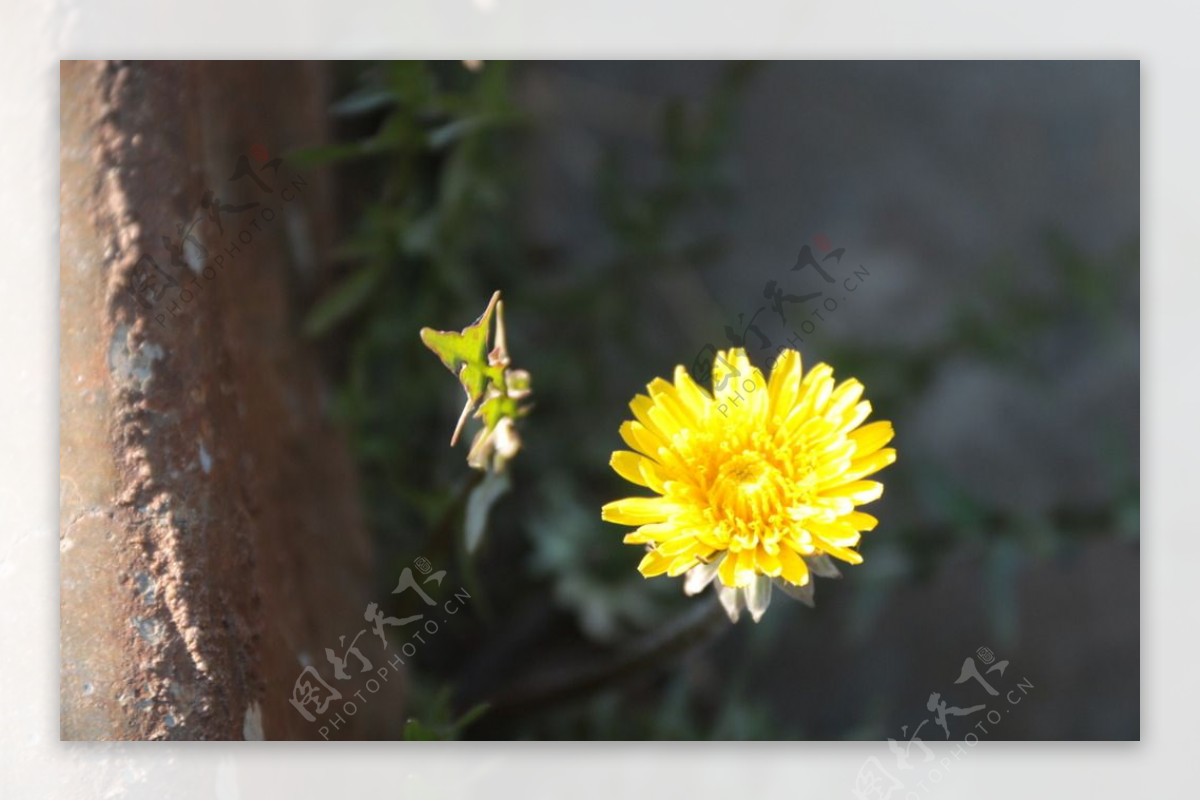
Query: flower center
(745, 474)
(749, 498)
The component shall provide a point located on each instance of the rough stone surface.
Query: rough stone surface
(211, 542)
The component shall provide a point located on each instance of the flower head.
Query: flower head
(756, 483)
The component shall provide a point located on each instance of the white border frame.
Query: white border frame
(32, 40)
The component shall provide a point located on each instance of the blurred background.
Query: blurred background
(973, 233)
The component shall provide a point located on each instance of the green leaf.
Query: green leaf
(323, 154)
(470, 716)
(397, 133)
(415, 730)
(345, 299)
(447, 134)
(362, 101)
(465, 352)
(480, 503)
(496, 408)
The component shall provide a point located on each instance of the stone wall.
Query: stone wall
(211, 540)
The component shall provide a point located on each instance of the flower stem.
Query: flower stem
(699, 624)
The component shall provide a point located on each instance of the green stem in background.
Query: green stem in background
(697, 626)
(447, 542)
(447, 538)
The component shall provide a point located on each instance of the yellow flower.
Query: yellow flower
(756, 483)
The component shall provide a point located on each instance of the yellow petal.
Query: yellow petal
(819, 372)
(730, 368)
(660, 386)
(871, 437)
(666, 420)
(627, 464)
(652, 533)
(682, 564)
(652, 473)
(794, 569)
(691, 395)
(710, 537)
(834, 463)
(855, 417)
(757, 394)
(767, 563)
(861, 521)
(638, 437)
(784, 387)
(654, 564)
(815, 389)
(638, 511)
(682, 543)
(641, 406)
(845, 395)
(668, 400)
(857, 491)
(745, 571)
(841, 534)
(739, 389)
(873, 463)
(727, 572)
(845, 554)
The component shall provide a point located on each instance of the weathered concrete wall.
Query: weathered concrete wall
(211, 543)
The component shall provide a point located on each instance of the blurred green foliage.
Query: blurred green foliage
(428, 157)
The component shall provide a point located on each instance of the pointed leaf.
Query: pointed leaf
(465, 353)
